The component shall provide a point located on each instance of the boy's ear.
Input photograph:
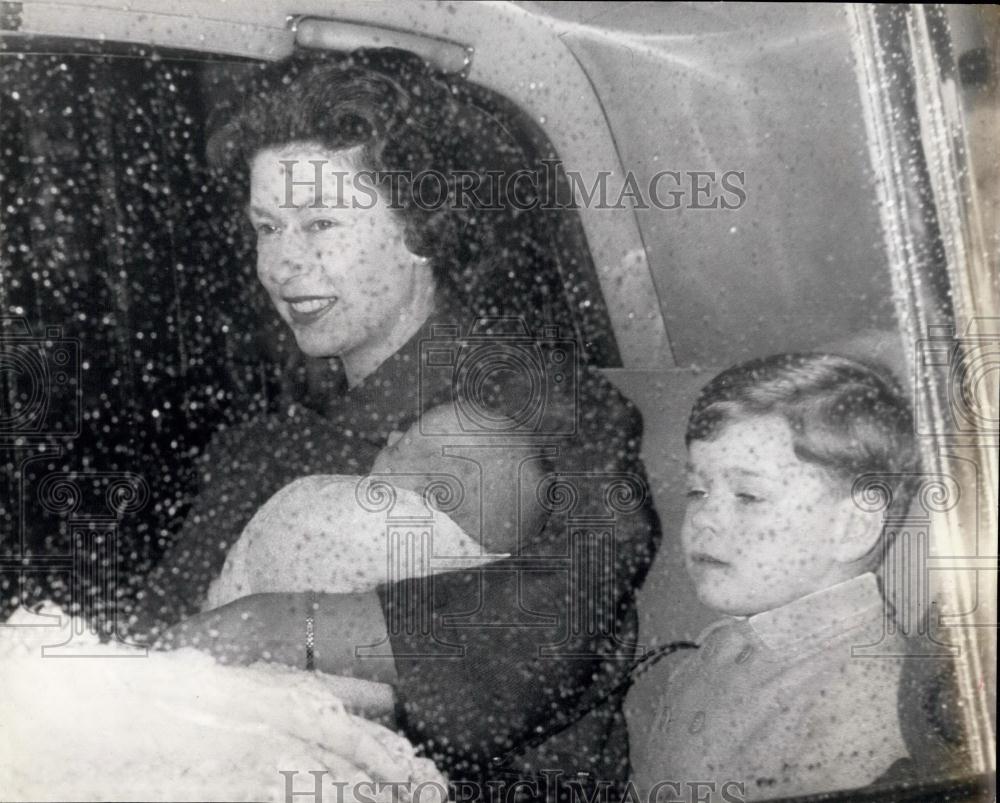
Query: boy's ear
(859, 530)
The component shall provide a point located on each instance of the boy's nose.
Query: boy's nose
(705, 517)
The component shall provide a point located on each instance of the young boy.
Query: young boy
(773, 703)
(328, 533)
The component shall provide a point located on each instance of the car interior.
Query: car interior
(119, 238)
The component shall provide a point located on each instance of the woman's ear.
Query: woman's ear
(858, 531)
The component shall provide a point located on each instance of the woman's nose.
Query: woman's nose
(282, 261)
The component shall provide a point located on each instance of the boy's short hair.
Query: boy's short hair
(846, 416)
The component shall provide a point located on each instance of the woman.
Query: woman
(363, 267)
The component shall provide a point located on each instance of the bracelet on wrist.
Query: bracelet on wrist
(310, 643)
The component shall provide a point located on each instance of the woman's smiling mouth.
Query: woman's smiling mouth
(307, 310)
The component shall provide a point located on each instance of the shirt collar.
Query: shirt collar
(820, 615)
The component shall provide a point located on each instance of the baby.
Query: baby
(345, 534)
(774, 703)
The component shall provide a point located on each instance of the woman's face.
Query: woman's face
(331, 255)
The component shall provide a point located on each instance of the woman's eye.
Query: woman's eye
(696, 493)
(323, 224)
(265, 229)
(749, 499)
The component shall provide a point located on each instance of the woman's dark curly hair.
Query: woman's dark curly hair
(408, 120)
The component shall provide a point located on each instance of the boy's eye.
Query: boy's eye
(748, 498)
(265, 229)
(696, 493)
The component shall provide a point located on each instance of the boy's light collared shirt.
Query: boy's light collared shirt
(777, 702)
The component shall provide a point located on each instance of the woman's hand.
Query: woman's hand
(272, 627)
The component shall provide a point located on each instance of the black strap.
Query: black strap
(636, 669)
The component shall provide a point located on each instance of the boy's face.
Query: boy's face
(762, 527)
